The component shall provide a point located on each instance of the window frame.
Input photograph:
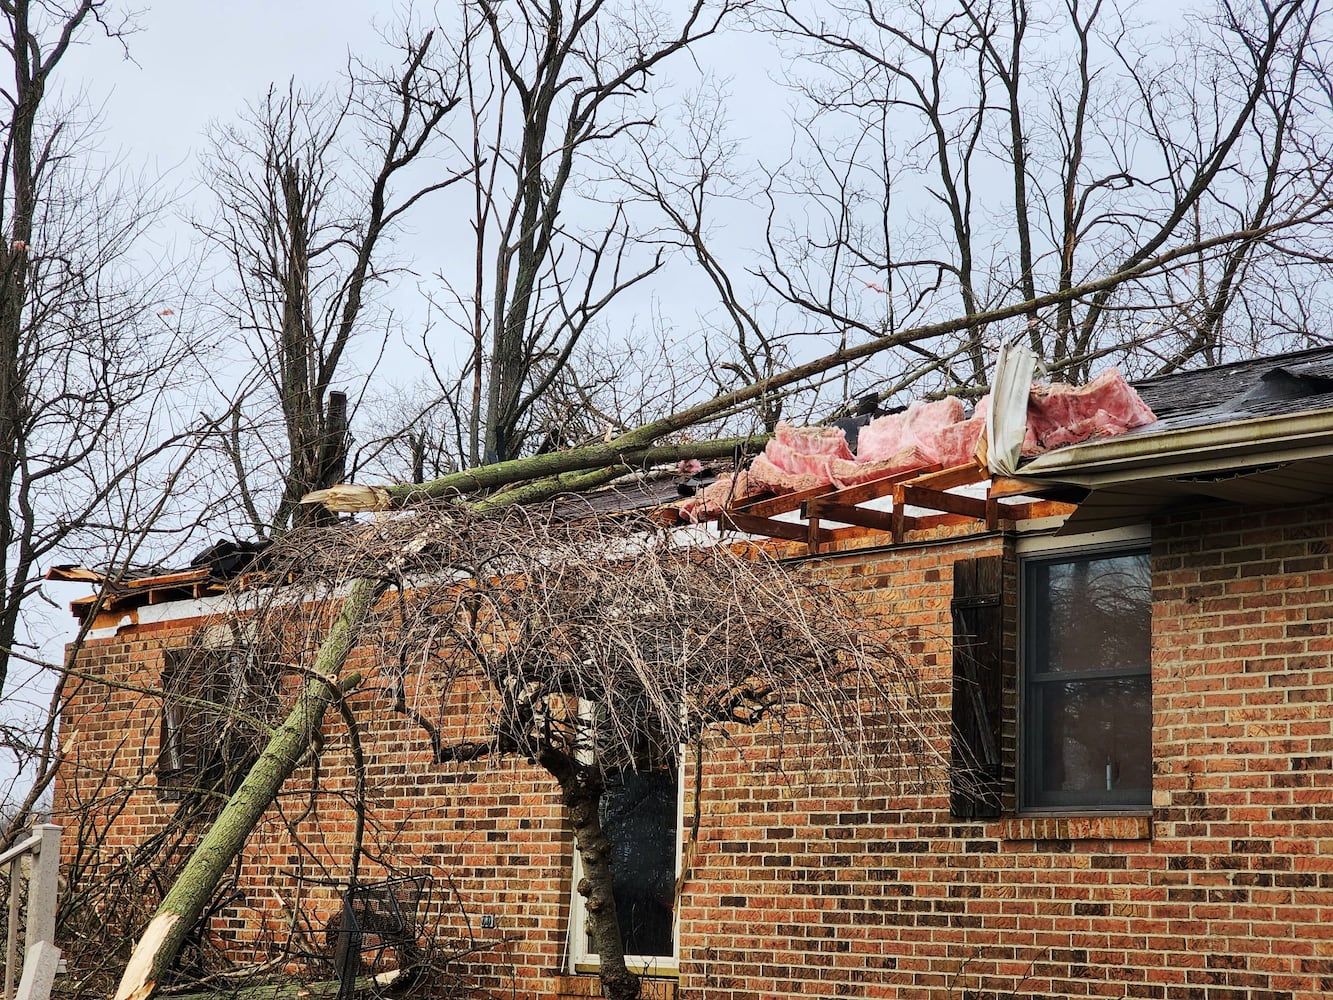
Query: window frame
(1048, 550)
(201, 685)
(583, 960)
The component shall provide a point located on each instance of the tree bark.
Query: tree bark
(160, 942)
(582, 791)
(627, 450)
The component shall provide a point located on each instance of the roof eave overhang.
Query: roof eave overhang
(1190, 451)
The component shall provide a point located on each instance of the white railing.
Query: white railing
(41, 852)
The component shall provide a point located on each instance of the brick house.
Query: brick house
(1133, 644)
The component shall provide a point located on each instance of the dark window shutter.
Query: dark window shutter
(978, 664)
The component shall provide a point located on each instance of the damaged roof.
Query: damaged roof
(1253, 432)
(222, 564)
(1260, 387)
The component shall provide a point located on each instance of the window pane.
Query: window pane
(1091, 614)
(639, 816)
(1092, 742)
(1087, 701)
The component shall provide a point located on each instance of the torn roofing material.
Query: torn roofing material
(1253, 432)
(208, 574)
(132, 592)
(1259, 387)
(226, 558)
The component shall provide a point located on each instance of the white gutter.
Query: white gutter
(1232, 445)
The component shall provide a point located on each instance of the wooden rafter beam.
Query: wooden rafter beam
(1037, 508)
(875, 488)
(781, 504)
(947, 479)
(935, 521)
(865, 517)
(1003, 486)
(950, 503)
(764, 526)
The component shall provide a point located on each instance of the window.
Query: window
(1086, 702)
(209, 734)
(641, 815)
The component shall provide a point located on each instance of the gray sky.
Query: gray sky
(192, 62)
(189, 63)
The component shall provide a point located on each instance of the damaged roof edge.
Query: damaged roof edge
(1189, 450)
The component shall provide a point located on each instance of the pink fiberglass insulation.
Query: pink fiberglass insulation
(957, 443)
(924, 435)
(882, 438)
(1060, 414)
(710, 501)
(854, 473)
(799, 463)
(765, 474)
(829, 441)
(799, 458)
(886, 437)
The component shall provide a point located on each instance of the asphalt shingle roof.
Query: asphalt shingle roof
(1262, 387)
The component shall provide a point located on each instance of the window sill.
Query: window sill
(663, 969)
(1076, 828)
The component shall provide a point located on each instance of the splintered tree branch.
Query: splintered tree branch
(617, 459)
(157, 948)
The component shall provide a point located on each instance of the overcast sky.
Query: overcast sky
(191, 62)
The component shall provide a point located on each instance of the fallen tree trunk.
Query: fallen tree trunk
(610, 460)
(636, 447)
(194, 886)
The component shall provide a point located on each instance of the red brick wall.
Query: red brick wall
(806, 884)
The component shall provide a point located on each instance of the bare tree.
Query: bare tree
(88, 345)
(310, 189)
(556, 98)
(555, 90)
(968, 154)
(684, 169)
(612, 381)
(618, 653)
(602, 650)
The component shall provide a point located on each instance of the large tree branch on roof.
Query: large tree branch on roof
(553, 474)
(636, 446)
(614, 457)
